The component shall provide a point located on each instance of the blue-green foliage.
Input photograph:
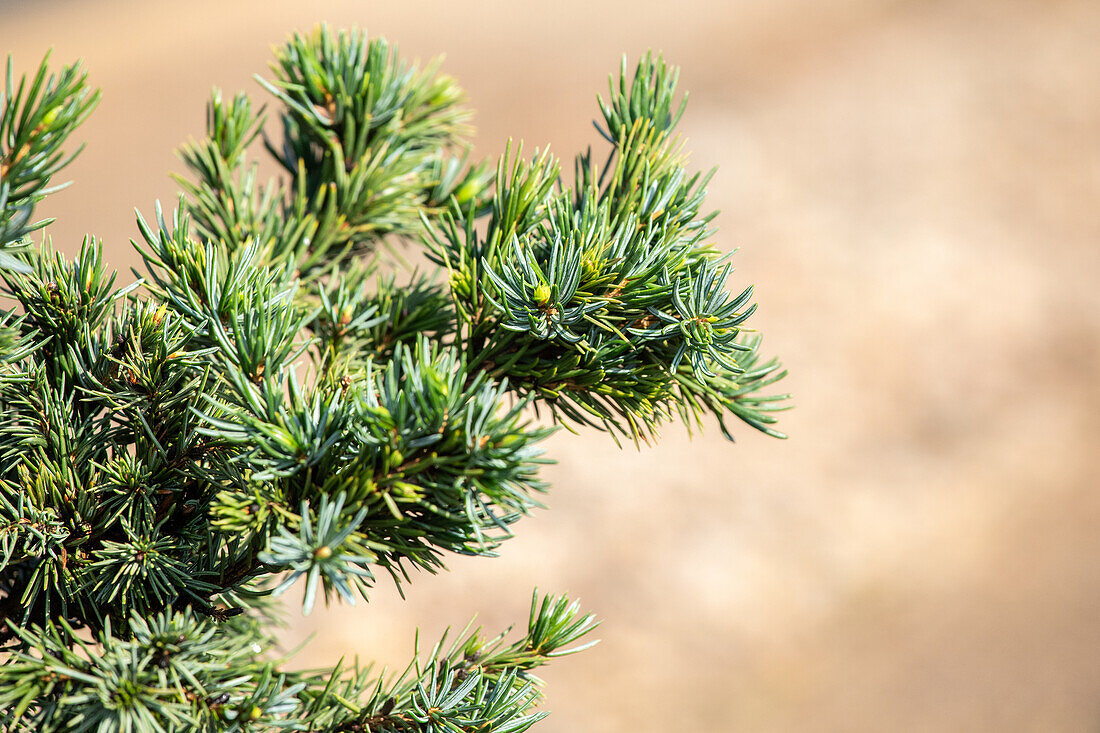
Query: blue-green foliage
(607, 300)
(267, 406)
(36, 118)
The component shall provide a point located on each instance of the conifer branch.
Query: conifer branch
(266, 405)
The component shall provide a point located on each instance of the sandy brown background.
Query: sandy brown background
(914, 187)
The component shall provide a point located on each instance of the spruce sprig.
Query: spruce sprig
(36, 118)
(592, 299)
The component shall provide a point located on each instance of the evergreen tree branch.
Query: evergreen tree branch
(272, 408)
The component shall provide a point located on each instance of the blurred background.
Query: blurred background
(914, 188)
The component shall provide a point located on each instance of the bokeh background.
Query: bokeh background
(915, 191)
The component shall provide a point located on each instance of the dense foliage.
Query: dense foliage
(268, 405)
